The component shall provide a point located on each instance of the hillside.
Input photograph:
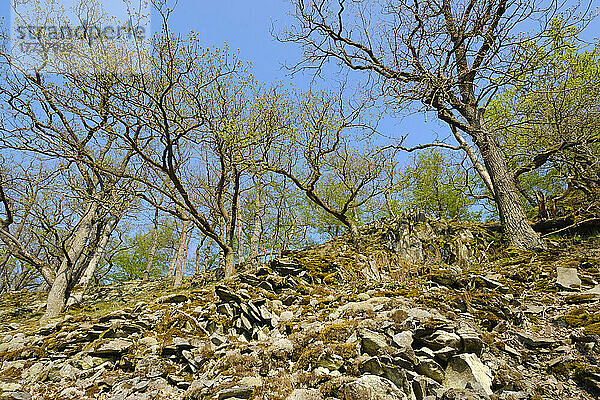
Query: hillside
(417, 310)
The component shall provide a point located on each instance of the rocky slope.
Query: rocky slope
(418, 310)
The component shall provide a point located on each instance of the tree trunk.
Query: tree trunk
(173, 263)
(174, 259)
(153, 248)
(186, 252)
(240, 244)
(86, 278)
(480, 168)
(197, 259)
(206, 255)
(354, 232)
(181, 255)
(257, 223)
(229, 262)
(151, 256)
(388, 205)
(512, 213)
(222, 261)
(60, 287)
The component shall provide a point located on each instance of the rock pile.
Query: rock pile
(517, 329)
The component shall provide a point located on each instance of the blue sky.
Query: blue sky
(247, 25)
(244, 25)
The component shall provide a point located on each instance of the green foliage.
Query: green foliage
(131, 258)
(554, 101)
(335, 191)
(434, 184)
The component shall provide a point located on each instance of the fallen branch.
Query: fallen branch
(576, 224)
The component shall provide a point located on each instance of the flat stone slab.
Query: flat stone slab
(174, 298)
(581, 298)
(468, 368)
(227, 295)
(238, 392)
(15, 396)
(567, 278)
(594, 290)
(534, 342)
(113, 347)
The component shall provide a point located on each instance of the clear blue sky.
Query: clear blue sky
(246, 25)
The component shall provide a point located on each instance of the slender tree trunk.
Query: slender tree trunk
(153, 248)
(88, 274)
(479, 167)
(240, 244)
(173, 263)
(181, 255)
(197, 259)
(388, 205)
(206, 255)
(541, 203)
(512, 213)
(187, 246)
(60, 287)
(354, 233)
(5, 274)
(222, 261)
(151, 255)
(257, 223)
(229, 261)
(239, 239)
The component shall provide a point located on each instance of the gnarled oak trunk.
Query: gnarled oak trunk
(62, 284)
(93, 263)
(512, 213)
(229, 262)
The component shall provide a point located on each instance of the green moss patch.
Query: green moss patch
(338, 332)
(582, 318)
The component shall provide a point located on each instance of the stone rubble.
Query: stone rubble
(285, 331)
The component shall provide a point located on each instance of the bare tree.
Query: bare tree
(74, 234)
(180, 258)
(449, 56)
(67, 126)
(327, 164)
(190, 123)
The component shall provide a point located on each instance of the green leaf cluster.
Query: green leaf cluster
(431, 182)
(130, 260)
(553, 101)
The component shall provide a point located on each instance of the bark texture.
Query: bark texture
(510, 208)
(181, 256)
(61, 286)
(92, 265)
